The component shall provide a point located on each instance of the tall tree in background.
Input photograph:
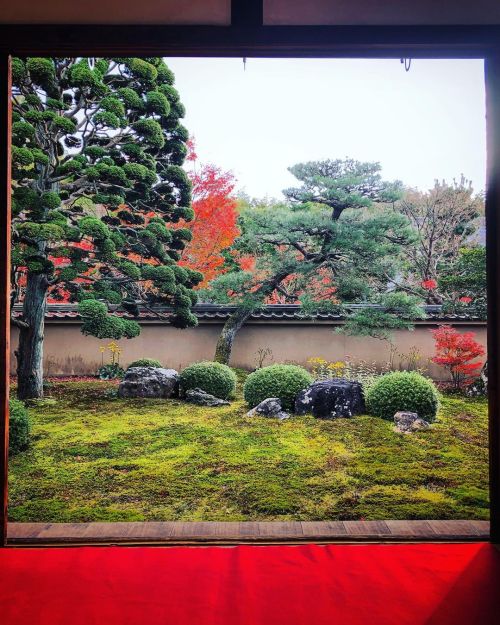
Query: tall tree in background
(330, 246)
(97, 181)
(445, 218)
(214, 226)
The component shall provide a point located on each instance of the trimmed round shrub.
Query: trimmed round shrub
(19, 427)
(402, 390)
(212, 377)
(145, 362)
(283, 381)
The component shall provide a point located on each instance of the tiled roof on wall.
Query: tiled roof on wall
(215, 312)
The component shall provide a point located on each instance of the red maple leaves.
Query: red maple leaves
(455, 352)
(214, 226)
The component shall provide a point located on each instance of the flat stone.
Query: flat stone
(331, 399)
(201, 398)
(270, 407)
(152, 382)
(407, 422)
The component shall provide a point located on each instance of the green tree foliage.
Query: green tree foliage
(463, 282)
(336, 242)
(97, 180)
(445, 218)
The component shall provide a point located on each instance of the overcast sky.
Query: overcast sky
(420, 125)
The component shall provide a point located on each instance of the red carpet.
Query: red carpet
(250, 585)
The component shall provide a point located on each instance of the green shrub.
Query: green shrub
(212, 377)
(145, 362)
(19, 427)
(283, 381)
(402, 390)
(112, 371)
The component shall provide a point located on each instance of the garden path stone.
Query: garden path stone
(154, 382)
(270, 407)
(200, 397)
(331, 399)
(407, 422)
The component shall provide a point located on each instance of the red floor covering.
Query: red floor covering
(251, 585)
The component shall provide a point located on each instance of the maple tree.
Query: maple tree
(214, 227)
(457, 352)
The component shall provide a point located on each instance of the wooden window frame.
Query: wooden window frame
(248, 37)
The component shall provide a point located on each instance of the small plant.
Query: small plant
(402, 390)
(456, 353)
(212, 377)
(262, 354)
(360, 371)
(145, 362)
(283, 381)
(111, 370)
(19, 427)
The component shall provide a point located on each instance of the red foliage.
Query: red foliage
(429, 285)
(214, 226)
(465, 300)
(456, 351)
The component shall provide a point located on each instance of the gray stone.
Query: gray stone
(479, 388)
(331, 399)
(200, 397)
(270, 407)
(407, 422)
(154, 382)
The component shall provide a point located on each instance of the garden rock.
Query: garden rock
(198, 396)
(331, 399)
(407, 422)
(479, 388)
(270, 407)
(149, 382)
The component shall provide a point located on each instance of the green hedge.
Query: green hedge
(283, 381)
(212, 377)
(19, 427)
(402, 390)
(145, 362)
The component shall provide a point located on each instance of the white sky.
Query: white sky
(420, 125)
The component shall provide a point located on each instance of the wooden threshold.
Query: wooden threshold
(177, 532)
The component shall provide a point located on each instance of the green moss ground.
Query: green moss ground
(97, 458)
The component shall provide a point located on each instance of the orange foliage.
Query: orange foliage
(214, 226)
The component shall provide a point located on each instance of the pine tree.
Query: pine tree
(97, 180)
(331, 245)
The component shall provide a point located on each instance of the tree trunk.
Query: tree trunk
(228, 334)
(30, 351)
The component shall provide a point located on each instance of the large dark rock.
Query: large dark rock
(407, 422)
(201, 398)
(331, 399)
(270, 407)
(149, 382)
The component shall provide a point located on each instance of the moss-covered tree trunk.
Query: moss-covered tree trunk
(31, 330)
(226, 339)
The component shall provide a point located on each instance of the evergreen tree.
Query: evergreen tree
(334, 244)
(97, 179)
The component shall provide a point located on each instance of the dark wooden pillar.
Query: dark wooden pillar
(492, 76)
(5, 135)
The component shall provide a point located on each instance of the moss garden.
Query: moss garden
(93, 457)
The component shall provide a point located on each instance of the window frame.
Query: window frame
(247, 37)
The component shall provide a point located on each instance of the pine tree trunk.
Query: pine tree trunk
(226, 339)
(30, 350)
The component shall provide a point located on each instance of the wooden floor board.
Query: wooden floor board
(178, 532)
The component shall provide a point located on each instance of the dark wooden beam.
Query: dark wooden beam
(247, 12)
(252, 41)
(5, 135)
